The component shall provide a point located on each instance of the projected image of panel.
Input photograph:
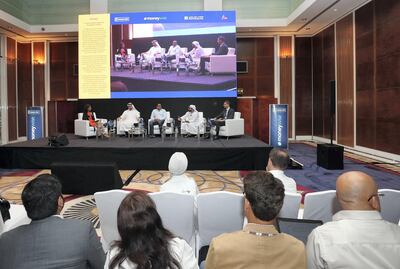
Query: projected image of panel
(173, 54)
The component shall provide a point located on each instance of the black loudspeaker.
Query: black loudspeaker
(330, 156)
(58, 141)
(87, 178)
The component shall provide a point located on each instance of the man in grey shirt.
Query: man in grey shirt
(49, 241)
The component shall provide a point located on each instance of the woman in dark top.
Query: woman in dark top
(89, 115)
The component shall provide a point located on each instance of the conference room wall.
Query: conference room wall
(12, 89)
(24, 86)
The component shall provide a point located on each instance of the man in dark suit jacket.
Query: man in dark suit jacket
(221, 49)
(227, 113)
(49, 241)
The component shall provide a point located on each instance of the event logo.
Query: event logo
(193, 18)
(224, 18)
(121, 19)
(280, 127)
(154, 18)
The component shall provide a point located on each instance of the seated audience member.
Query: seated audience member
(190, 121)
(218, 121)
(145, 243)
(49, 241)
(179, 182)
(158, 116)
(128, 118)
(259, 245)
(278, 161)
(357, 237)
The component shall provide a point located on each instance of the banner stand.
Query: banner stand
(34, 122)
(279, 125)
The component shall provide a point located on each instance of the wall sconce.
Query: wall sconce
(37, 61)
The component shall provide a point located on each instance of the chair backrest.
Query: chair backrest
(320, 205)
(1, 224)
(80, 115)
(291, 206)
(231, 51)
(201, 115)
(390, 205)
(218, 212)
(237, 115)
(184, 50)
(177, 213)
(208, 51)
(129, 51)
(107, 203)
(168, 114)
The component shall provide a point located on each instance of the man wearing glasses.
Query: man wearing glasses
(357, 236)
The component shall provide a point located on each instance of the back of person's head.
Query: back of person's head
(178, 164)
(41, 197)
(278, 159)
(357, 191)
(265, 194)
(144, 240)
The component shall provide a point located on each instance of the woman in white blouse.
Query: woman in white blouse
(145, 243)
(179, 182)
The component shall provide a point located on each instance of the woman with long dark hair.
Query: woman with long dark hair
(145, 243)
(89, 115)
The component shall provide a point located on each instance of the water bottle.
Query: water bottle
(176, 133)
(198, 133)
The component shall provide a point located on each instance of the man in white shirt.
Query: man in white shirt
(128, 118)
(357, 237)
(173, 51)
(158, 116)
(190, 121)
(277, 162)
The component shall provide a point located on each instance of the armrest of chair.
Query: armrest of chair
(222, 63)
(82, 128)
(234, 126)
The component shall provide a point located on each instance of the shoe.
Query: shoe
(152, 136)
(216, 137)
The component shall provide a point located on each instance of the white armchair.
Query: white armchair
(82, 127)
(233, 127)
(157, 128)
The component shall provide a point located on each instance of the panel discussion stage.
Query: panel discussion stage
(241, 153)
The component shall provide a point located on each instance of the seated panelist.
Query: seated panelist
(158, 116)
(190, 121)
(128, 118)
(227, 113)
(89, 115)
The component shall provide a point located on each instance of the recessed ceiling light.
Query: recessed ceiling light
(335, 9)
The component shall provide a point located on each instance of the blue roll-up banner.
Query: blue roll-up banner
(34, 122)
(278, 125)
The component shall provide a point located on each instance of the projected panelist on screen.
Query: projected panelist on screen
(128, 118)
(173, 51)
(196, 53)
(155, 49)
(221, 49)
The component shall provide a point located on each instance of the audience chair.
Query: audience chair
(107, 203)
(177, 214)
(18, 217)
(218, 213)
(390, 205)
(291, 206)
(320, 205)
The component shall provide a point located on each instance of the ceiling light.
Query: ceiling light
(335, 9)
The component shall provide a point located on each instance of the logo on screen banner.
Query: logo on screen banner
(121, 19)
(154, 18)
(224, 18)
(193, 18)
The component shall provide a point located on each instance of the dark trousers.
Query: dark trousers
(155, 122)
(203, 61)
(217, 124)
(170, 58)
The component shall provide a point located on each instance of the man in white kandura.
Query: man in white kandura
(151, 53)
(128, 118)
(190, 121)
(179, 182)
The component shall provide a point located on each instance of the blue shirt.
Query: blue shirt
(158, 114)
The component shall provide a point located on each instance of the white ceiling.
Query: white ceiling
(306, 20)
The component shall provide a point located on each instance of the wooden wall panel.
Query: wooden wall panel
(246, 52)
(12, 89)
(285, 63)
(387, 72)
(345, 81)
(265, 82)
(323, 50)
(318, 66)
(38, 74)
(303, 86)
(378, 75)
(63, 82)
(365, 82)
(24, 71)
(247, 106)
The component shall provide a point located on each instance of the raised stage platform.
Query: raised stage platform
(243, 153)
